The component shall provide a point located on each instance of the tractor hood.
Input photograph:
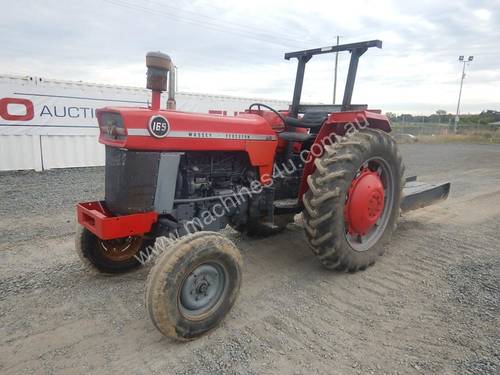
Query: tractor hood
(144, 129)
(163, 130)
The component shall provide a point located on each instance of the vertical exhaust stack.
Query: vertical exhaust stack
(160, 71)
(171, 88)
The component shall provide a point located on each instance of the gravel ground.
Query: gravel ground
(430, 305)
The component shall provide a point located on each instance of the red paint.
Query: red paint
(190, 132)
(155, 100)
(365, 202)
(94, 217)
(4, 110)
(340, 124)
(260, 153)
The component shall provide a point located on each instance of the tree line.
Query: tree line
(442, 117)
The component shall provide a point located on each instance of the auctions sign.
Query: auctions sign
(32, 102)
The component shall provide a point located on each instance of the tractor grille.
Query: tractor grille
(130, 182)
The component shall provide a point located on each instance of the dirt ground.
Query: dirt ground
(430, 305)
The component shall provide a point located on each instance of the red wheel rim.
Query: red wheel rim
(365, 202)
(369, 203)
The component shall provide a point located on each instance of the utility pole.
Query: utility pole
(457, 116)
(335, 74)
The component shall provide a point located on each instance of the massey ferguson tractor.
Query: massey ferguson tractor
(184, 176)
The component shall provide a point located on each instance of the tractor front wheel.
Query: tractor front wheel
(353, 201)
(111, 256)
(193, 285)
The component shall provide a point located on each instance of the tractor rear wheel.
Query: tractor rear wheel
(111, 256)
(193, 285)
(353, 201)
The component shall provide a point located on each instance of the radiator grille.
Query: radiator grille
(130, 182)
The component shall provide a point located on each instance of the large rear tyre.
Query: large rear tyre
(193, 285)
(353, 201)
(111, 256)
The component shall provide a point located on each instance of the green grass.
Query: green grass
(441, 133)
(475, 137)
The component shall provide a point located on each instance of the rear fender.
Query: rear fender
(337, 125)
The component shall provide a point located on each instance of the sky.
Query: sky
(237, 47)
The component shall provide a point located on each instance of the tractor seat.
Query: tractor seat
(310, 120)
(314, 118)
(296, 136)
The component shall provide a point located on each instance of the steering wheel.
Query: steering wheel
(258, 105)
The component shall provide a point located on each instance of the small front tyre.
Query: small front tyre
(112, 256)
(193, 285)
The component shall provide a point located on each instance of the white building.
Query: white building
(48, 124)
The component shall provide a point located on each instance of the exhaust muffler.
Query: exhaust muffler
(160, 74)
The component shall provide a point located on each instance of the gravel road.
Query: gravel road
(430, 305)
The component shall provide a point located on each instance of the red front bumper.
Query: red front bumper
(94, 217)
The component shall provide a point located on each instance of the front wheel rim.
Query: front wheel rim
(365, 241)
(120, 249)
(203, 290)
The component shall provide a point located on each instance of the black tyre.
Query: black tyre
(112, 256)
(353, 201)
(193, 285)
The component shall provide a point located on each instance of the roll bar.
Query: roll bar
(356, 50)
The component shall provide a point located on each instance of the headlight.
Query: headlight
(111, 126)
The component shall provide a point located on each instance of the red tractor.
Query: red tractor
(173, 179)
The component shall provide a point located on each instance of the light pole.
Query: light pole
(335, 75)
(463, 61)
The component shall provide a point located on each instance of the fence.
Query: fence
(436, 129)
